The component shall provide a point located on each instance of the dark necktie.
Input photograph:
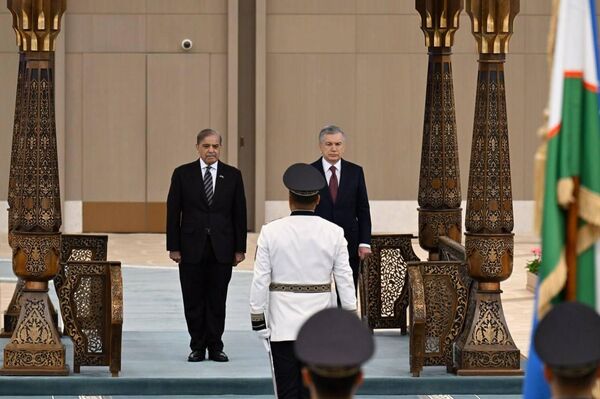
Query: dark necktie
(208, 185)
(333, 184)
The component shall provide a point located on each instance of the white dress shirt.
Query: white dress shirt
(338, 169)
(213, 172)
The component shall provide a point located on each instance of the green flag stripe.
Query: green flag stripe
(572, 152)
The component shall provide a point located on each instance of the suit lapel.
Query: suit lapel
(219, 181)
(319, 166)
(343, 178)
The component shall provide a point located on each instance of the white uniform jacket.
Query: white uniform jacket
(296, 257)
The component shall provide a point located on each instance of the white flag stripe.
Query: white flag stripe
(574, 52)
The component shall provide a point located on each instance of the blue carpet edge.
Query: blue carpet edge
(247, 386)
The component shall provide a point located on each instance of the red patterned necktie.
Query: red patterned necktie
(333, 184)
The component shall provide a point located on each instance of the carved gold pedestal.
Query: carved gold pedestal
(486, 347)
(35, 347)
(23, 355)
(11, 315)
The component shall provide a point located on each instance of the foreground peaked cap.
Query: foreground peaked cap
(303, 179)
(334, 343)
(568, 339)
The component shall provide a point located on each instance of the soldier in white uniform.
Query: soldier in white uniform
(296, 257)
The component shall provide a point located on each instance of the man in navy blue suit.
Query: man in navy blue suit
(344, 201)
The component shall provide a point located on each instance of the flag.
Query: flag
(573, 150)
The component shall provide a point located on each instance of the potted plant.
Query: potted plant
(533, 268)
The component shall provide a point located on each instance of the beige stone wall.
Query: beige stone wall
(134, 100)
(362, 65)
(9, 65)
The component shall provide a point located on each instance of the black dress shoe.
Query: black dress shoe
(196, 356)
(218, 356)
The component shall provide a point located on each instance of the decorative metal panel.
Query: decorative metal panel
(91, 301)
(383, 288)
(443, 296)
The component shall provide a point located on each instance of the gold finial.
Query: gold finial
(492, 22)
(439, 20)
(36, 22)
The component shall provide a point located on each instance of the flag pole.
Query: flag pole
(571, 244)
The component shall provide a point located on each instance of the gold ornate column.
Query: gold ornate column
(439, 183)
(11, 315)
(486, 346)
(35, 217)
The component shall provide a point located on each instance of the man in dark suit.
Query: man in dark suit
(344, 201)
(206, 236)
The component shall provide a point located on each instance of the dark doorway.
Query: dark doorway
(247, 101)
